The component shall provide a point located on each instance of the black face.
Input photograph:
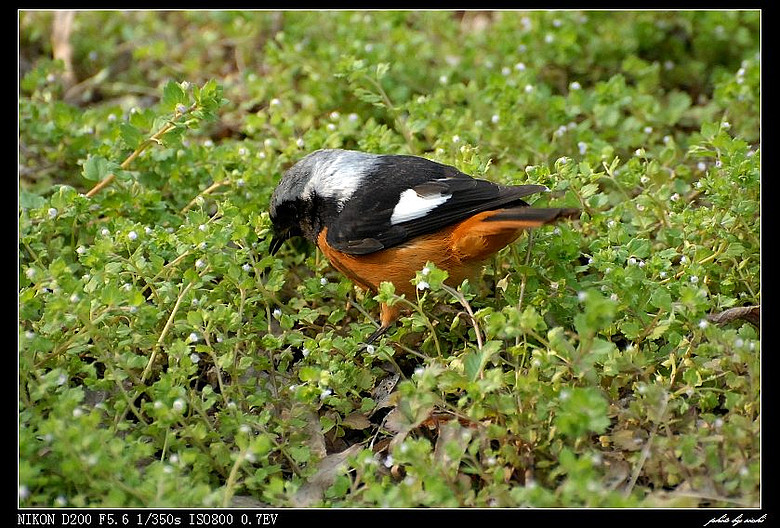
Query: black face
(286, 222)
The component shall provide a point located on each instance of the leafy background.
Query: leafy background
(166, 359)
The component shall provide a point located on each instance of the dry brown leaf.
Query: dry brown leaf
(751, 314)
(629, 439)
(356, 420)
(383, 392)
(450, 445)
(315, 438)
(313, 490)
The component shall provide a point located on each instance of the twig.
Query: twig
(462, 300)
(154, 139)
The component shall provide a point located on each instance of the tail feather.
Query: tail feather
(532, 215)
(482, 235)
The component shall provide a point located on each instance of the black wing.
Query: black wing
(365, 223)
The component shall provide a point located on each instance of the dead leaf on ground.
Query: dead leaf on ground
(356, 420)
(751, 314)
(450, 445)
(313, 490)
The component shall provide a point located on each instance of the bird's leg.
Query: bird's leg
(387, 316)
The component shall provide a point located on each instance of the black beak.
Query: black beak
(276, 242)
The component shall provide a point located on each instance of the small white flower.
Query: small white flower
(644, 179)
(726, 125)
(557, 22)
(554, 286)
(353, 117)
(331, 127)
(60, 501)
(455, 138)
(529, 88)
(208, 144)
(335, 115)
(305, 351)
(683, 259)
(178, 404)
(443, 79)
(739, 342)
(325, 393)
(157, 404)
(668, 65)
(30, 273)
(583, 147)
(195, 358)
(694, 279)
(581, 296)
(506, 70)
(701, 166)
(111, 117)
(575, 86)
(564, 395)
(193, 337)
(703, 323)
(520, 66)
(77, 412)
(426, 271)
(132, 235)
(648, 130)
(613, 297)
(202, 245)
(180, 108)
(639, 152)
(675, 197)
(52, 212)
(494, 118)
(632, 261)
(299, 142)
(199, 263)
(246, 267)
(389, 461)
(560, 131)
(423, 285)
(277, 313)
(74, 298)
(244, 428)
(549, 38)
(274, 102)
(370, 349)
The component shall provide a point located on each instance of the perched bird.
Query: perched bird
(380, 217)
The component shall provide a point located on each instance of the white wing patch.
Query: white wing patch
(411, 205)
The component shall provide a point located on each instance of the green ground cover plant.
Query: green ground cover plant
(167, 359)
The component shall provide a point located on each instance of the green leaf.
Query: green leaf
(130, 135)
(173, 95)
(96, 168)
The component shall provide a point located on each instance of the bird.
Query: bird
(383, 217)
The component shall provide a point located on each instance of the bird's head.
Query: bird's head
(315, 189)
